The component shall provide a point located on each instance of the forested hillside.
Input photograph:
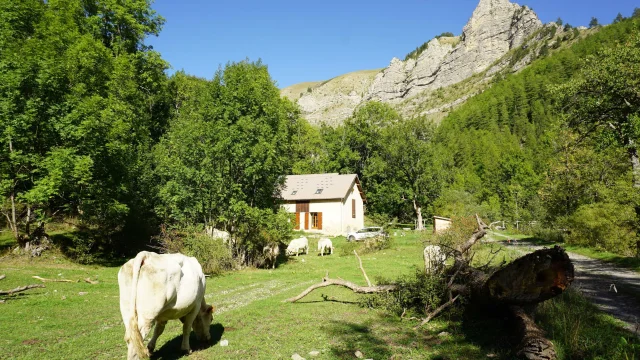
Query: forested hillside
(551, 146)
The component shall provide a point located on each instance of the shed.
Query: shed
(440, 224)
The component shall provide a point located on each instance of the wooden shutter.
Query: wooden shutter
(297, 223)
(319, 221)
(306, 221)
(353, 208)
(302, 206)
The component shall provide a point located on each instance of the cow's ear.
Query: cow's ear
(210, 309)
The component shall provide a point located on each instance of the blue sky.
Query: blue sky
(317, 40)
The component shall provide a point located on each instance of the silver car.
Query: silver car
(364, 233)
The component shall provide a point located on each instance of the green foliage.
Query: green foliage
(445, 34)
(593, 23)
(607, 226)
(214, 256)
(418, 294)
(80, 103)
(618, 18)
(559, 21)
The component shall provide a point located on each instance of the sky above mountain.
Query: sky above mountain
(317, 40)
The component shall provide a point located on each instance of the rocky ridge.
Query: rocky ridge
(495, 28)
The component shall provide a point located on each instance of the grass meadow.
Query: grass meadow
(82, 321)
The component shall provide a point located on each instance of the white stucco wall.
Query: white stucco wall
(348, 222)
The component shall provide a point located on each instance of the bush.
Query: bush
(459, 232)
(605, 226)
(416, 293)
(552, 235)
(214, 256)
(366, 246)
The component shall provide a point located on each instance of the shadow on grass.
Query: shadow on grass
(171, 349)
(388, 337)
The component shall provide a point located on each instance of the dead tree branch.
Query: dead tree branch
(364, 273)
(3, 276)
(19, 289)
(356, 288)
(53, 280)
(438, 311)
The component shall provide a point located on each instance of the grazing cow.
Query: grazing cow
(324, 244)
(298, 245)
(218, 234)
(157, 288)
(271, 252)
(433, 258)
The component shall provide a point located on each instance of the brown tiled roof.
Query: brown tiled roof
(319, 186)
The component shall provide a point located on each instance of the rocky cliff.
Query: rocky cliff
(496, 27)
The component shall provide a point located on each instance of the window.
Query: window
(353, 208)
(319, 191)
(316, 220)
(294, 192)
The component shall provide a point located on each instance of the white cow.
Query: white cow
(298, 245)
(218, 234)
(324, 244)
(157, 288)
(433, 258)
(271, 252)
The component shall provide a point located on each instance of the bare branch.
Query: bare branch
(53, 280)
(19, 289)
(477, 235)
(356, 288)
(438, 311)
(3, 276)
(361, 268)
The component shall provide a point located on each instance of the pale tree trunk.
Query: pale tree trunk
(13, 224)
(418, 210)
(635, 167)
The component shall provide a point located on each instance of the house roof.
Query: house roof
(319, 186)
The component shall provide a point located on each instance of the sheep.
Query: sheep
(324, 244)
(298, 245)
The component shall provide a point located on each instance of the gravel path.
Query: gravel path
(614, 290)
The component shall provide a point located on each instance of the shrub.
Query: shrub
(416, 293)
(214, 256)
(366, 246)
(606, 226)
(461, 228)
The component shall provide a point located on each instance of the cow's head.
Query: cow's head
(202, 323)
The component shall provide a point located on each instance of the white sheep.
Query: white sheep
(298, 245)
(324, 244)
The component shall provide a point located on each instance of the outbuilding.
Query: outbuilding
(440, 223)
(330, 204)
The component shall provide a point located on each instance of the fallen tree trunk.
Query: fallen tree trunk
(533, 344)
(529, 280)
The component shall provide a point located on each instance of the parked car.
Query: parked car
(364, 233)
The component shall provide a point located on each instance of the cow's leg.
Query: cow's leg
(186, 330)
(157, 331)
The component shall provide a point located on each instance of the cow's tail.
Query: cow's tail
(134, 331)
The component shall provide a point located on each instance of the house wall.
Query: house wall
(336, 214)
(348, 222)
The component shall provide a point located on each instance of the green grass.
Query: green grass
(580, 331)
(6, 240)
(59, 323)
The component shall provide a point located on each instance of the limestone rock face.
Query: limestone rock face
(495, 27)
